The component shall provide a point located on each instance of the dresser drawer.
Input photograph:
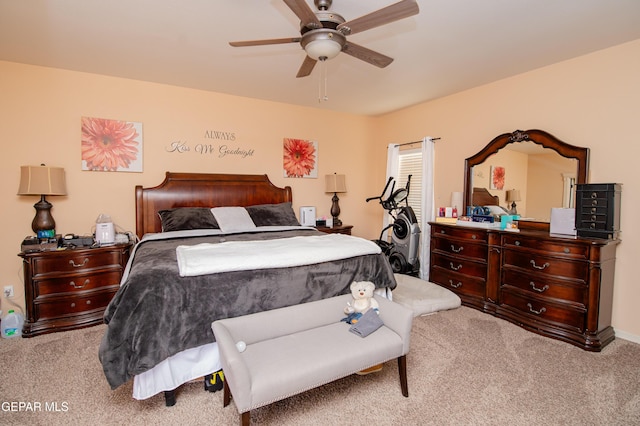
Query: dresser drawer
(458, 283)
(76, 283)
(460, 265)
(567, 316)
(75, 261)
(557, 247)
(460, 232)
(546, 266)
(460, 248)
(69, 306)
(544, 287)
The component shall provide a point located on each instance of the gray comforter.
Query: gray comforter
(156, 313)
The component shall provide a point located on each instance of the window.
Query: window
(410, 163)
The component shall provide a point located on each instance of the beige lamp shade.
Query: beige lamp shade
(42, 180)
(513, 195)
(335, 183)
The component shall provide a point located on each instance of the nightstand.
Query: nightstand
(70, 289)
(342, 229)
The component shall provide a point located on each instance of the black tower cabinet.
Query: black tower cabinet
(598, 210)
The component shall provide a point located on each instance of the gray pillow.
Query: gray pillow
(184, 218)
(273, 215)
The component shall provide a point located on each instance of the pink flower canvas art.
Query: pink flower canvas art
(111, 145)
(497, 177)
(300, 158)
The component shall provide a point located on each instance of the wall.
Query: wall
(40, 111)
(588, 101)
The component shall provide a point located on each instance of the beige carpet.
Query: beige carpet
(465, 368)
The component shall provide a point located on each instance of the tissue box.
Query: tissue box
(563, 221)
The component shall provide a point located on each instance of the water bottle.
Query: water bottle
(12, 325)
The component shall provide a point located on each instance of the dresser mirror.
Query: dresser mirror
(541, 168)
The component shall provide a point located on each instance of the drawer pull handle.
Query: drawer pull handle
(88, 302)
(73, 305)
(593, 210)
(455, 268)
(453, 249)
(75, 265)
(517, 243)
(539, 290)
(455, 285)
(74, 285)
(474, 237)
(533, 311)
(594, 195)
(594, 202)
(533, 263)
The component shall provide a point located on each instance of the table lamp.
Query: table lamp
(335, 183)
(512, 196)
(42, 180)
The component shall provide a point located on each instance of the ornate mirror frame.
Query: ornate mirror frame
(539, 137)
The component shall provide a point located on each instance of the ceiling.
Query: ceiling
(450, 46)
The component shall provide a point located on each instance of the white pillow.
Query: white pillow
(233, 219)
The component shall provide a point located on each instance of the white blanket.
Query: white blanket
(206, 258)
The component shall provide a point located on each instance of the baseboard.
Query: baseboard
(627, 336)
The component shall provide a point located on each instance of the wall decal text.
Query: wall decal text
(221, 151)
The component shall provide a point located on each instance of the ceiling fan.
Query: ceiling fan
(323, 34)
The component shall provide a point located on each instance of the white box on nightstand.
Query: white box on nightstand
(308, 216)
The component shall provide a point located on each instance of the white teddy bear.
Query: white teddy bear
(362, 292)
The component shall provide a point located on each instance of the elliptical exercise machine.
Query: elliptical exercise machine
(405, 238)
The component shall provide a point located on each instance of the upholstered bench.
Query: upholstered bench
(297, 348)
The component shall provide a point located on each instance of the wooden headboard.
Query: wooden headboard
(482, 197)
(203, 190)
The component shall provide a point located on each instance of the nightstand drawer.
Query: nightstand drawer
(76, 261)
(63, 308)
(76, 283)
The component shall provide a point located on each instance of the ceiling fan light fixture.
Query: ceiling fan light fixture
(323, 44)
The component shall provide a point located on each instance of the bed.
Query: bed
(482, 197)
(182, 275)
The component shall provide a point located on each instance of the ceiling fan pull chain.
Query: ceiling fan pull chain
(322, 84)
(326, 81)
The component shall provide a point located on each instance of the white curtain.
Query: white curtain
(393, 165)
(428, 201)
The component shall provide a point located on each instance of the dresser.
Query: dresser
(69, 289)
(554, 286)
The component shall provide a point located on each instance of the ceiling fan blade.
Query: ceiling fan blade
(265, 42)
(367, 55)
(304, 12)
(306, 67)
(402, 9)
